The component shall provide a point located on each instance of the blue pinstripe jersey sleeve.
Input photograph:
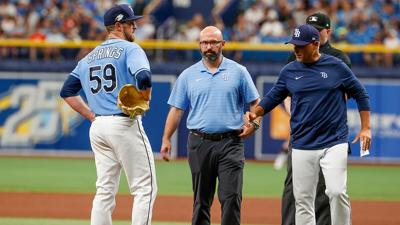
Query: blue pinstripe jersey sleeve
(76, 71)
(136, 60)
(179, 95)
(249, 90)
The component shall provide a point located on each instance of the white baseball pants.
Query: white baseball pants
(120, 142)
(306, 166)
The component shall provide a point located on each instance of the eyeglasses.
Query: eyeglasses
(211, 43)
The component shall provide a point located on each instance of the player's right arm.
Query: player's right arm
(173, 119)
(140, 69)
(70, 94)
(143, 83)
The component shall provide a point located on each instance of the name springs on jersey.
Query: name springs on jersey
(106, 52)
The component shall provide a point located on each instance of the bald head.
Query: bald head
(211, 32)
(211, 44)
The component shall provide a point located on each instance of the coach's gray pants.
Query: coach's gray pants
(306, 166)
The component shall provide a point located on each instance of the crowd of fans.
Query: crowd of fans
(56, 21)
(269, 21)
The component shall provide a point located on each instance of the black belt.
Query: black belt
(117, 114)
(215, 136)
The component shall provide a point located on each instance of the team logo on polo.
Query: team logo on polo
(225, 76)
(324, 75)
(297, 32)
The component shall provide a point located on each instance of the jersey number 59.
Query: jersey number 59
(108, 77)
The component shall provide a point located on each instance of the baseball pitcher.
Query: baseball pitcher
(116, 81)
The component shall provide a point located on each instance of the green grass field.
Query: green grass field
(260, 180)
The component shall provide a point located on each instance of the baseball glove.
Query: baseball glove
(131, 101)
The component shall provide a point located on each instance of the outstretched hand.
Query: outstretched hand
(166, 150)
(248, 128)
(365, 139)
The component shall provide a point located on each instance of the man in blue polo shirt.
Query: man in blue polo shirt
(317, 84)
(215, 90)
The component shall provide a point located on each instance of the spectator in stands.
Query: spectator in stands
(255, 13)
(361, 20)
(55, 36)
(340, 35)
(242, 32)
(145, 29)
(36, 36)
(3, 50)
(271, 28)
(391, 41)
(374, 59)
(194, 26)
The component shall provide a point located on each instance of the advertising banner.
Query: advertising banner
(34, 117)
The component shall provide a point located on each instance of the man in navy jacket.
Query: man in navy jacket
(317, 84)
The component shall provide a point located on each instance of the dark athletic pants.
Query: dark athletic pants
(322, 208)
(209, 160)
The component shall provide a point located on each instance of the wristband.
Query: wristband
(255, 124)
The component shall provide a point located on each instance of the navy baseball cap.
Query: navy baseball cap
(119, 13)
(304, 35)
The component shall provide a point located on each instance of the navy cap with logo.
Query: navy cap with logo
(304, 35)
(119, 13)
(319, 21)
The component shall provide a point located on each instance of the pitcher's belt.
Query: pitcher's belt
(117, 114)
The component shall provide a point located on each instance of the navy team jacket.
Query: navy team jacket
(318, 107)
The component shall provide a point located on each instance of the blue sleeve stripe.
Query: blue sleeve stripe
(140, 70)
(137, 71)
(74, 74)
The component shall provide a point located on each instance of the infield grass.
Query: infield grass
(19, 174)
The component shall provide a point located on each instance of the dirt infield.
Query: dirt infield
(175, 208)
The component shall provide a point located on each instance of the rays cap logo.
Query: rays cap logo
(319, 21)
(304, 35)
(296, 33)
(119, 13)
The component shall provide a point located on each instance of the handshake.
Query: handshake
(251, 124)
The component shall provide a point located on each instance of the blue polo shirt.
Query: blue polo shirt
(216, 101)
(318, 107)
